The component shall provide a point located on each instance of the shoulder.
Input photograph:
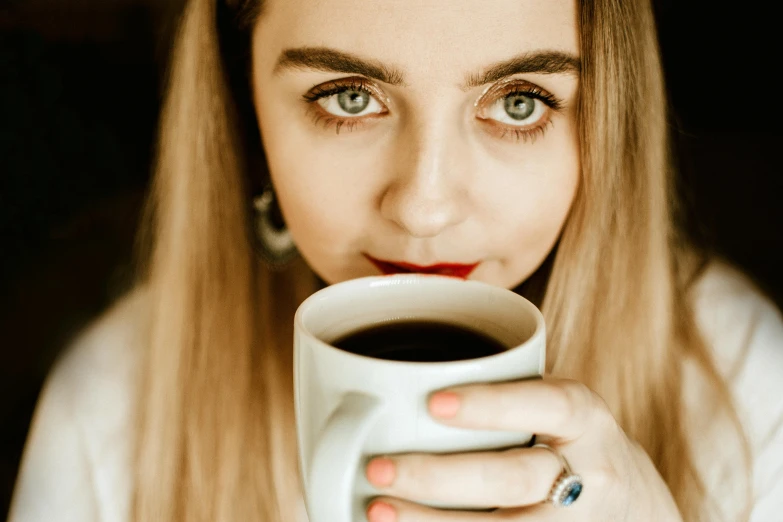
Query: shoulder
(744, 330)
(737, 320)
(77, 459)
(99, 368)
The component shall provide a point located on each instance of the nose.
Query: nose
(428, 192)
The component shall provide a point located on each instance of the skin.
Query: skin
(428, 182)
(431, 171)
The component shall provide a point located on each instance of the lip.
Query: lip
(458, 270)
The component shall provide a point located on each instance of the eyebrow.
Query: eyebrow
(332, 60)
(543, 62)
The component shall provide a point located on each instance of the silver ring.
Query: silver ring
(568, 485)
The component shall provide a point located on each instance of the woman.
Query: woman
(524, 140)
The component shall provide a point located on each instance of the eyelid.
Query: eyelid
(325, 90)
(353, 82)
(494, 93)
(510, 85)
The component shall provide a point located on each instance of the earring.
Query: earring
(273, 240)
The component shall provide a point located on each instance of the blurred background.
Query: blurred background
(79, 97)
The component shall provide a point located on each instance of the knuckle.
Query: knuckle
(561, 398)
(605, 477)
(586, 405)
(602, 416)
(580, 395)
(565, 402)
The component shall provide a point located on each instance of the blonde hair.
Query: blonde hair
(215, 437)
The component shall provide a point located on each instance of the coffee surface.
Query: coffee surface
(420, 341)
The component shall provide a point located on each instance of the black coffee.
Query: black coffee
(420, 341)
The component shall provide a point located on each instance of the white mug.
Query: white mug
(352, 407)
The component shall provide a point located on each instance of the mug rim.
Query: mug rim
(368, 281)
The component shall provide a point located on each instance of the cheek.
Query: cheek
(318, 209)
(532, 202)
(546, 197)
(322, 187)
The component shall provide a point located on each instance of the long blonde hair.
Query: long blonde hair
(215, 436)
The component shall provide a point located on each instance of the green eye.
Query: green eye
(350, 103)
(353, 101)
(519, 107)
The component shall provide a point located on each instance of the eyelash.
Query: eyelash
(523, 88)
(330, 89)
(502, 131)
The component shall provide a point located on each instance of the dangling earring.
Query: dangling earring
(273, 240)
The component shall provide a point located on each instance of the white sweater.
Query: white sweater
(77, 466)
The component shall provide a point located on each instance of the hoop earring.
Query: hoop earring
(273, 240)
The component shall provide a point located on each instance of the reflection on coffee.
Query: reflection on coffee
(420, 341)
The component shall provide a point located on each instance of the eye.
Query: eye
(350, 102)
(517, 109)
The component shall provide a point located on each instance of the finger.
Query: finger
(545, 512)
(509, 478)
(386, 509)
(561, 409)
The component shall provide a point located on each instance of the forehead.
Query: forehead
(423, 37)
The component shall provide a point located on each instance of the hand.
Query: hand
(620, 482)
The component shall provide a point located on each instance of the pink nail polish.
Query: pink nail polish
(381, 472)
(381, 512)
(444, 404)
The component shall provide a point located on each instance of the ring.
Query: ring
(568, 486)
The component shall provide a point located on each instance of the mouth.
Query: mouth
(458, 270)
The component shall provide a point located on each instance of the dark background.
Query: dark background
(79, 96)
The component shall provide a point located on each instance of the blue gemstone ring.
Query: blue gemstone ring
(568, 486)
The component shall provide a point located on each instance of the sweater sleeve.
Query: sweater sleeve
(56, 481)
(77, 460)
(758, 391)
(745, 330)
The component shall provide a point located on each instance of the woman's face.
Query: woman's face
(420, 132)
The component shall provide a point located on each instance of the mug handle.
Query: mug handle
(336, 458)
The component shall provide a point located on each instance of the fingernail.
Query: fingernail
(444, 404)
(381, 512)
(380, 472)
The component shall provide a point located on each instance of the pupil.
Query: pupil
(353, 101)
(519, 107)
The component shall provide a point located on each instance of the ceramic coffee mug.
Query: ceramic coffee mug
(351, 407)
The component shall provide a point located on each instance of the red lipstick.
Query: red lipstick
(460, 271)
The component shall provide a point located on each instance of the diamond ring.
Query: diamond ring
(568, 486)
